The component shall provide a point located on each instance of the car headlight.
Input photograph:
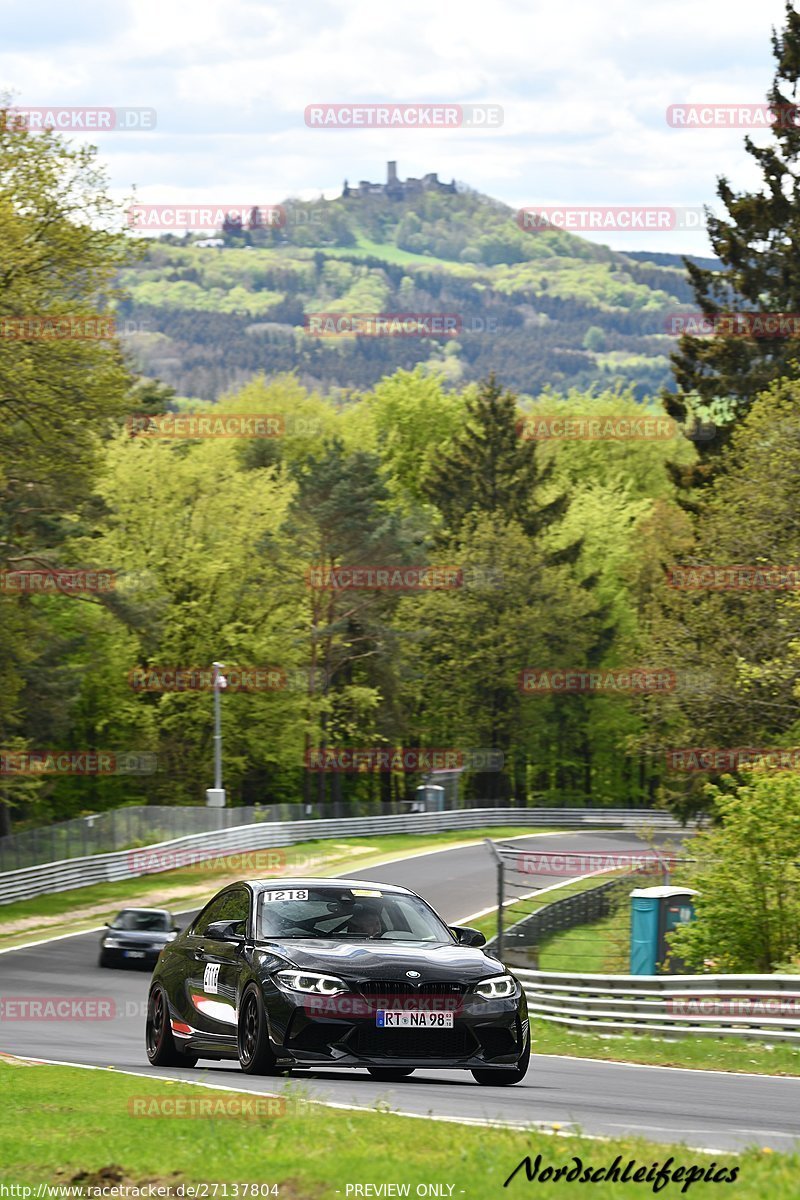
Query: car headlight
(111, 942)
(499, 987)
(311, 981)
(171, 936)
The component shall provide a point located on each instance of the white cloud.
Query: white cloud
(584, 87)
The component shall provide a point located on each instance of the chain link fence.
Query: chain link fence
(579, 922)
(147, 825)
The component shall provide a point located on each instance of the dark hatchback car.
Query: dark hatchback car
(136, 937)
(335, 973)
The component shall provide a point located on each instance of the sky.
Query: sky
(584, 90)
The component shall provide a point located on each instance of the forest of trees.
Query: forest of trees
(565, 550)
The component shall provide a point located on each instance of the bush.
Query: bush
(748, 876)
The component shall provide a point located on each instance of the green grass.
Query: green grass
(708, 1054)
(59, 912)
(64, 1125)
(598, 948)
(388, 251)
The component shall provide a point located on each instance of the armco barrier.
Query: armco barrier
(122, 864)
(766, 1007)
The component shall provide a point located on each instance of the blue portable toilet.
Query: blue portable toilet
(430, 798)
(654, 912)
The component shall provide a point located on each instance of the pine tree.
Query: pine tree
(489, 468)
(758, 243)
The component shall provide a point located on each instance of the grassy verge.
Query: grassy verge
(599, 948)
(707, 1054)
(191, 886)
(75, 1127)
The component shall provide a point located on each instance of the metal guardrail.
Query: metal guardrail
(66, 874)
(766, 1007)
(148, 824)
(130, 825)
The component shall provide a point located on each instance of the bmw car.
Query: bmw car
(136, 937)
(305, 973)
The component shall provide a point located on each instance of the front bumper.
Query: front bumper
(313, 1031)
(131, 956)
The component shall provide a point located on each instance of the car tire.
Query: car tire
(504, 1076)
(390, 1074)
(102, 960)
(159, 1042)
(252, 1038)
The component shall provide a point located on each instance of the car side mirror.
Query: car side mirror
(223, 931)
(465, 935)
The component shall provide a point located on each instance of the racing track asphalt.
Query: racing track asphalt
(703, 1109)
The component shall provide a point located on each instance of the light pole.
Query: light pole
(215, 797)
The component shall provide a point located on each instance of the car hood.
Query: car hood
(385, 960)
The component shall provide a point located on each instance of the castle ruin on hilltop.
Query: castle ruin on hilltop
(398, 189)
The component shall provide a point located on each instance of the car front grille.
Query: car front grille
(383, 991)
(371, 1042)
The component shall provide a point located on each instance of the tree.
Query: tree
(339, 517)
(59, 396)
(406, 419)
(748, 876)
(489, 468)
(757, 243)
(734, 648)
(467, 646)
(594, 339)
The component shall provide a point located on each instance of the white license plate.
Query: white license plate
(133, 953)
(405, 1019)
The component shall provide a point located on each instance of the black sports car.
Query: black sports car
(136, 937)
(334, 973)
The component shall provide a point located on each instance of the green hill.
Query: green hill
(543, 308)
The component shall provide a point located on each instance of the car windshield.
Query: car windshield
(345, 913)
(134, 919)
